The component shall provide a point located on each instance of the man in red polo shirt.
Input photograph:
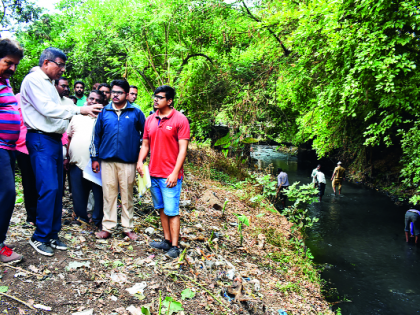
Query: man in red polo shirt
(166, 136)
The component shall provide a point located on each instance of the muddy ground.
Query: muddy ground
(93, 276)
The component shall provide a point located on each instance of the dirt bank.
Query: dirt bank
(216, 275)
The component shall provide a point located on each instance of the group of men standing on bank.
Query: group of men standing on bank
(116, 139)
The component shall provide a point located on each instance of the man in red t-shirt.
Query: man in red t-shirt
(166, 136)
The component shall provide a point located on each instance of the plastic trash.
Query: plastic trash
(137, 288)
(42, 307)
(119, 277)
(149, 231)
(230, 274)
(78, 264)
(227, 297)
(282, 312)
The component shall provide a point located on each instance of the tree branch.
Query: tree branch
(286, 51)
(185, 61)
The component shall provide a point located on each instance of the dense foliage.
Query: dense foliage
(340, 73)
(17, 12)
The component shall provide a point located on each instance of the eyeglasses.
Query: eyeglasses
(117, 92)
(60, 65)
(158, 97)
(65, 87)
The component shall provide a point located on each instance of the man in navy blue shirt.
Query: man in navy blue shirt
(114, 151)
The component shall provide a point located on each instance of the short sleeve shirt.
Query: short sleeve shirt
(339, 172)
(80, 131)
(163, 135)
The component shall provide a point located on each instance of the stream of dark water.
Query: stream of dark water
(360, 236)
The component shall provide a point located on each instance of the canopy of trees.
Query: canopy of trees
(340, 73)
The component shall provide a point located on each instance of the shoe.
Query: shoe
(133, 236)
(9, 245)
(163, 244)
(8, 256)
(103, 234)
(57, 244)
(42, 248)
(174, 252)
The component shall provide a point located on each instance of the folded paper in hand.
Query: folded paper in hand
(144, 182)
(90, 175)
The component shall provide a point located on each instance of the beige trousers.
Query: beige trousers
(114, 175)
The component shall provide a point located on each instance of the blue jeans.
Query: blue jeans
(166, 198)
(30, 194)
(7, 190)
(80, 189)
(46, 156)
(415, 219)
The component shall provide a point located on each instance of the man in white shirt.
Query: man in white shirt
(320, 178)
(80, 134)
(313, 175)
(282, 184)
(47, 119)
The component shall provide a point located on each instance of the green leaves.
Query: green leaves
(171, 306)
(4, 289)
(187, 294)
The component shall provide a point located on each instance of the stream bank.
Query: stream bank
(359, 240)
(266, 274)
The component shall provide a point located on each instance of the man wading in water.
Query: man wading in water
(337, 178)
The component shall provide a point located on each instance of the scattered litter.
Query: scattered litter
(149, 231)
(42, 307)
(113, 298)
(257, 284)
(119, 277)
(87, 312)
(231, 274)
(282, 312)
(137, 288)
(199, 227)
(185, 203)
(33, 268)
(20, 274)
(77, 264)
(134, 310)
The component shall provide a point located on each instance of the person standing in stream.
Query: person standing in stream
(322, 182)
(337, 177)
(166, 136)
(412, 216)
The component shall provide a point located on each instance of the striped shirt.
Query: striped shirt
(9, 116)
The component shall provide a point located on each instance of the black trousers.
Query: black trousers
(30, 194)
(321, 189)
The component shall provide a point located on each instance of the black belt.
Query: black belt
(50, 134)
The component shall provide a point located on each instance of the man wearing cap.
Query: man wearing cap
(337, 177)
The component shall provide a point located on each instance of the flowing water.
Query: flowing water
(360, 235)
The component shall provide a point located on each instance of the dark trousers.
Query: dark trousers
(46, 156)
(7, 190)
(29, 185)
(321, 189)
(81, 188)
